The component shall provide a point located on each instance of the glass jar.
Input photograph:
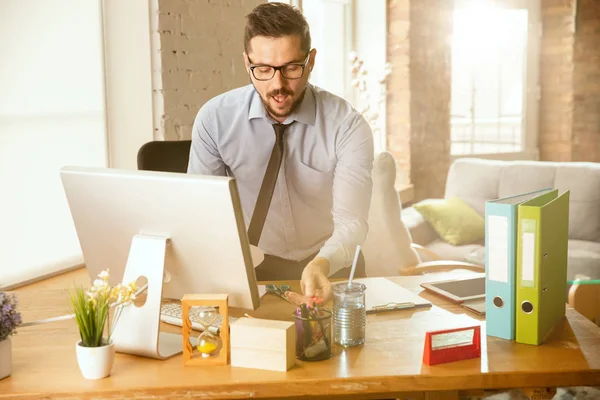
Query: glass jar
(349, 314)
(313, 334)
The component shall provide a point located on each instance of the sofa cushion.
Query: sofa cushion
(584, 256)
(584, 259)
(421, 231)
(477, 256)
(583, 180)
(474, 180)
(447, 251)
(453, 219)
(520, 177)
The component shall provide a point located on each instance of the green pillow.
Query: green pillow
(453, 219)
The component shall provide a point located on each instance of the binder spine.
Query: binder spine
(500, 270)
(527, 304)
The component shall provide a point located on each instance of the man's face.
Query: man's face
(280, 95)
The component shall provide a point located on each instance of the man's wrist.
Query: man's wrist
(337, 255)
(321, 263)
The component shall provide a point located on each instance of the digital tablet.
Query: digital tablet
(458, 290)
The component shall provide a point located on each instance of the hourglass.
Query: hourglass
(211, 349)
(207, 343)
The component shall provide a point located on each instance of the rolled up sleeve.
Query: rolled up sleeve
(352, 188)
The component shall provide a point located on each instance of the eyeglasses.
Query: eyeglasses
(288, 71)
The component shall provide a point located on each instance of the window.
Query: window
(339, 28)
(331, 28)
(494, 78)
(51, 115)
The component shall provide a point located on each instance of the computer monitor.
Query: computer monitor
(185, 233)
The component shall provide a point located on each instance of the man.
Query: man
(302, 157)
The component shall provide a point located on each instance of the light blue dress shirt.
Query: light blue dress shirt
(323, 192)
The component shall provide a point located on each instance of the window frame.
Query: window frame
(531, 88)
(358, 17)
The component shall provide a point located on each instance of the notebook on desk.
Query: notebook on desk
(384, 295)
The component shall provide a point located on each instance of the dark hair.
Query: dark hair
(276, 20)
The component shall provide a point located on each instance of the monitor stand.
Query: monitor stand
(137, 330)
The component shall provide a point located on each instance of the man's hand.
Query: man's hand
(314, 283)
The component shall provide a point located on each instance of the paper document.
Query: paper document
(384, 295)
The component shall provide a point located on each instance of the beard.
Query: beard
(284, 92)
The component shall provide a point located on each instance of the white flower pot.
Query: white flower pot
(5, 358)
(95, 362)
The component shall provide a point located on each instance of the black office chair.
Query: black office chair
(167, 156)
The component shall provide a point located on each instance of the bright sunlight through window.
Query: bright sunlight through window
(489, 63)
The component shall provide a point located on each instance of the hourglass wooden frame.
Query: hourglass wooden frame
(221, 303)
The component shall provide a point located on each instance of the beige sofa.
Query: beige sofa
(478, 180)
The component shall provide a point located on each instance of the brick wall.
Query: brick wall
(570, 81)
(418, 107)
(398, 86)
(430, 88)
(556, 80)
(586, 82)
(200, 46)
(419, 87)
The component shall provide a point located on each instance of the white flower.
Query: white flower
(104, 275)
(98, 284)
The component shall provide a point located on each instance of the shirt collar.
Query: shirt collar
(305, 113)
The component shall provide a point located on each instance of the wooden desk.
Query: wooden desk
(388, 365)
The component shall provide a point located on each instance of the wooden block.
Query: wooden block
(219, 301)
(263, 344)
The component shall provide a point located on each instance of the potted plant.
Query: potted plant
(92, 308)
(9, 320)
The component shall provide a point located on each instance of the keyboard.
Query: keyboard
(170, 313)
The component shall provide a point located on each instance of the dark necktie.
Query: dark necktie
(268, 186)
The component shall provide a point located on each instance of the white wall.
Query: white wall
(128, 63)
